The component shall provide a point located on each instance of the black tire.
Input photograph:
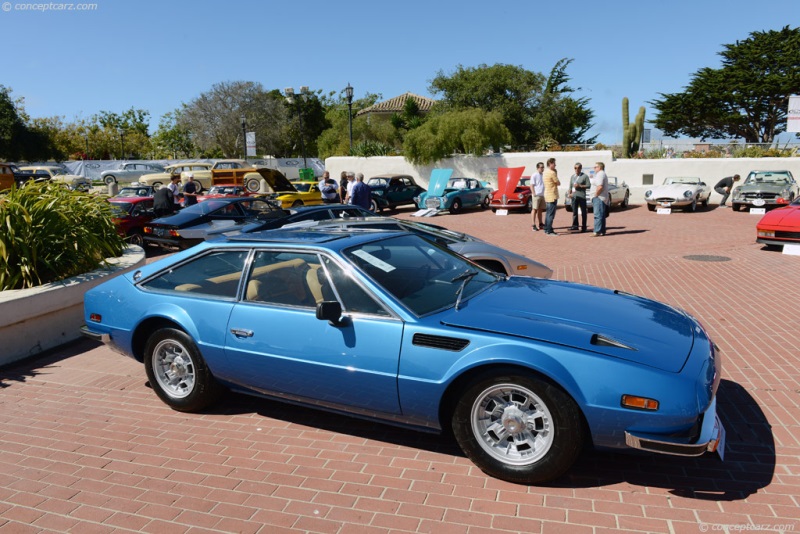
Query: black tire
(373, 206)
(177, 372)
(156, 186)
(518, 428)
(736, 207)
(494, 210)
(297, 203)
(110, 179)
(529, 205)
(651, 207)
(456, 207)
(626, 201)
(691, 208)
(136, 237)
(485, 203)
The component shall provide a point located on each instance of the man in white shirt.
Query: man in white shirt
(600, 201)
(537, 197)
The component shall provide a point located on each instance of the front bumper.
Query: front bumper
(670, 203)
(710, 439)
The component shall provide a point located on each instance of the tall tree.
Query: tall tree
(532, 107)
(470, 131)
(335, 140)
(746, 98)
(215, 118)
(509, 90)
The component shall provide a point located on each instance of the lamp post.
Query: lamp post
(290, 98)
(86, 138)
(244, 137)
(348, 91)
(122, 142)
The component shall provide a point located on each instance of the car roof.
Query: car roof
(327, 236)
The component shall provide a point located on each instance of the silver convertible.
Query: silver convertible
(684, 192)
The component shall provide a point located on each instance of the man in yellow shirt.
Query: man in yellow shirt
(551, 184)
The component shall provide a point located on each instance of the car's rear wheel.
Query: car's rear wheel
(136, 237)
(518, 428)
(110, 179)
(156, 185)
(456, 207)
(177, 372)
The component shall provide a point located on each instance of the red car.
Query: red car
(513, 190)
(225, 190)
(780, 226)
(130, 216)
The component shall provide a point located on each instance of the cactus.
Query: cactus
(631, 132)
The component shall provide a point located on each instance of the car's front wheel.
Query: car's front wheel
(736, 207)
(456, 207)
(177, 372)
(110, 179)
(651, 207)
(373, 206)
(485, 203)
(691, 208)
(529, 205)
(156, 186)
(297, 203)
(518, 428)
(626, 200)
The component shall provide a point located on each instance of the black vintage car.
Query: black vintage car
(191, 225)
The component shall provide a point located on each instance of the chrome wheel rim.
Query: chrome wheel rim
(174, 368)
(512, 424)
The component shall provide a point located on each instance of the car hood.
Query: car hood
(438, 181)
(507, 180)
(180, 220)
(588, 318)
(275, 180)
(675, 190)
(757, 188)
(788, 216)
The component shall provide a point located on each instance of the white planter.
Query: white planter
(40, 318)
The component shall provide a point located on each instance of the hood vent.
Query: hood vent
(453, 344)
(602, 341)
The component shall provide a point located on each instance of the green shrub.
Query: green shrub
(50, 233)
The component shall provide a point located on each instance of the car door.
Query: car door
(275, 343)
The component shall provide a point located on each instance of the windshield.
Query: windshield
(120, 209)
(422, 276)
(681, 180)
(223, 190)
(767, 178)
(303, 187)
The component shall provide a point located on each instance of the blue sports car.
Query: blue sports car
(453, 194)
(390, 326)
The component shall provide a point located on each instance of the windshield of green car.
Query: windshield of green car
(422, 276)
(767, 178)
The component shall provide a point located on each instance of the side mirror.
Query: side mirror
(331, 311)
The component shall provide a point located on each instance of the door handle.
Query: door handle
(241, 332)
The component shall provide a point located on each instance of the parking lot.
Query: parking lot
(86, 446)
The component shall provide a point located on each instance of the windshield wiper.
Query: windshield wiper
(465, 277)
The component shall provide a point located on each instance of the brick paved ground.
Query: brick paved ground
(87, 447)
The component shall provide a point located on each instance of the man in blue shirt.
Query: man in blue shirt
(360, 195)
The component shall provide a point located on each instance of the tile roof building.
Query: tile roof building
(397, 105)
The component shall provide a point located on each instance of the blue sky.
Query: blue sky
(155, 55)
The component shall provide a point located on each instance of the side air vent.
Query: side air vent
(440, 342)
(602, 341)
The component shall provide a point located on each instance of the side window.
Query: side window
(286, 279)
(216, 274)
(407, 182)
(353, 297)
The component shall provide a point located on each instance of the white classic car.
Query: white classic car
(678, 192)
(129, 172)
(163, 178)
(61, 175)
